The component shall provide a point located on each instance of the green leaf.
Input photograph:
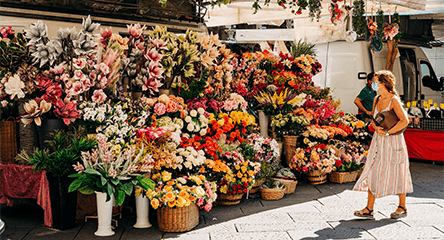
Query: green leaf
(120, 198)
(86, 190)
(75, 184)
(145, 183)
(128, 188)
(115, 181)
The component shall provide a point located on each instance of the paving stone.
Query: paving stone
(410, 233)
(273, 227)
(13, 232)
(226, 227)
(171, 236)
(388, 231)
(265, 217)
(251, 236)
(46, 233)
(252, 207)
(151, 233)
(299, 216)
(304, 234)
(367, 224)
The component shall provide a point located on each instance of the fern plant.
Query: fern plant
(303, 48)
(64, 151)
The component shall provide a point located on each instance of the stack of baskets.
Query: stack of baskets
(289, 147)
(256, 186)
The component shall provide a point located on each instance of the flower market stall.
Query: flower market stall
(194, 147)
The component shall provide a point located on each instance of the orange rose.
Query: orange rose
(155, 203)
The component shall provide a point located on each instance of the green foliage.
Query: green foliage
(397, 20)
(380, 23)
(303, 48)
(194, 88)
(65, 150)
(359, 20)
(13, 54)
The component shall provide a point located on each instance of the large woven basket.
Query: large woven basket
(226, 199)
(272, 193)
(317, 177)
(289, 147)
(290, 185)
(179, 219)
(8, 141)
(342, 177)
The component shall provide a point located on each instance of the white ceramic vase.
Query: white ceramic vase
(263, 123)
(142, 210)
(104, 215)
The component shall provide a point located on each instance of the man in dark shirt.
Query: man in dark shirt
(364, 101)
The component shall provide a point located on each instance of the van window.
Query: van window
(428, 77)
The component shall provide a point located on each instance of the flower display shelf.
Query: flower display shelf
(225, 199)
(179, 219)
(290, 184)
(272, 193)
(289, 147)
(342, 177)
(255, 186)
(317, 177)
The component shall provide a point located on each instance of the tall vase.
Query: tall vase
(142, 212)
(104, 215)
(8, 140)
(263, 123)
(63, 204)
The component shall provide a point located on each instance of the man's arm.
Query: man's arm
(358, 103)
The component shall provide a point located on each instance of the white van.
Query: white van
(345, 67)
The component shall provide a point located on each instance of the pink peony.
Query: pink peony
(78, 74)
(102, 67)
(208, 207)
(99, 96)
(159, 108)
(59, 69)
(200, 202)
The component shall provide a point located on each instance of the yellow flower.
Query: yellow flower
(192, 198)
(168, 188)
(172, 203)
(223, 189)
(199, 191)
(170, 196)
(184, 194)
(181, 201)
(155, 203)
(166, 176)
(138, 191)
(196, 180)
(237, 167)
(239, 174)
(244, 169)
(202, 177)
(244, 180)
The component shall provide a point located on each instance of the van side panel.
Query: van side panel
(321, 55)
(380, 63)
(345, 61)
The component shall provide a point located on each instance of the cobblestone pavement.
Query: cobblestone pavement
(312, 212)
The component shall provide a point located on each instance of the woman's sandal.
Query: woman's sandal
(361, 213)
(399, 214)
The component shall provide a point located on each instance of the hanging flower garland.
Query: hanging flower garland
(335, 12)
(359, 22)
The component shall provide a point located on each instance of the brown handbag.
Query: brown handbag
(387, 120)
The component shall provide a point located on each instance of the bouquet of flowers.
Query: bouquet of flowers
(233, 125)
(319, 157)
(264, 148)
(103, 171)
(214, 170)
(282, 103)
(290, 124)
(239, 179)
(181, 191)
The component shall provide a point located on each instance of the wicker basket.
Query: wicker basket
(179, 219)
(272, 193)
(225, 199)
(342, 177)
(8, 141)
(255, 187)
(289, 147)
(317, 177)
(290, 185)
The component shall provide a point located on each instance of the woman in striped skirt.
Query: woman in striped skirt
(386, 171)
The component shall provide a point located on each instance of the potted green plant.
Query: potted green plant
(111, 175)
(58, 160)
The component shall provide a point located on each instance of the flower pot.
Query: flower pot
(178, 219)
(63, 204)
(48, 126)
(317, 177)
(104, 215)
(8, 141)
(263, 123)
(289, 147)
(290, 185)
(30, 142)
(226, 199)
(142, 212)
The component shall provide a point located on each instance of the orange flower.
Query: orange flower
(172, 204)
(180, 202)
(170, 196)
(155, 203)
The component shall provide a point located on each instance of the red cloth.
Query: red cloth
(425, 144)
(19, 181)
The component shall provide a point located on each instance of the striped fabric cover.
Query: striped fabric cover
(386, 171)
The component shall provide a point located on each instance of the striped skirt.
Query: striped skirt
(386, 171)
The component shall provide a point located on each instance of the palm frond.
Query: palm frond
(303, 48)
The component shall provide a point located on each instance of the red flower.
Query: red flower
(245, 190)
(305, 169)
(338, 163)
(238, 185)
(245, 184)
(234, 187)
(239, 191)
(371, 128)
